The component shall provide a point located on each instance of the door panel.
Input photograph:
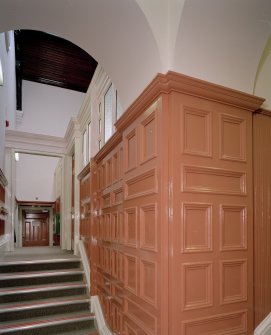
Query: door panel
(35, 229)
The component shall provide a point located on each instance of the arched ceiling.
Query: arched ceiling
(222, 41)
(115, 33)
(217, 40)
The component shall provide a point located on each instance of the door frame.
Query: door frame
(19, 235)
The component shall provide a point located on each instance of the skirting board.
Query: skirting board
(97, 310)
(84, 260)
(264, 327)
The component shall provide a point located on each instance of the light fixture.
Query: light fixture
(16, 156)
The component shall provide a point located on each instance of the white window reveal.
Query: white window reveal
(108, 117)
(1, 74)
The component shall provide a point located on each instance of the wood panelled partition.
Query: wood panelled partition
(262, 213)
(85, 226)
(171, 219)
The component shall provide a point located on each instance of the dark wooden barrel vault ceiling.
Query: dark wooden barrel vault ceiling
(51, 60)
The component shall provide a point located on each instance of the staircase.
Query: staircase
(44, 296)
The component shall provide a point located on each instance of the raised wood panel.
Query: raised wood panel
(211, 235)
(230, 323)
(200, 122)
(233, 138)
(233, 281)
(213, 180)
(171, 213)
(85, 209)
(197, 285)
(233, 227)
(196, 227)
(127, 249)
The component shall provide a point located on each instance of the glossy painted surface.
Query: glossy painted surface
(85, 228)
(171, 212)
(262, 230)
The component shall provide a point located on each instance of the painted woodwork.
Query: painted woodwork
(85, 228)
(262, 230)
(171, 212)
(3, 210)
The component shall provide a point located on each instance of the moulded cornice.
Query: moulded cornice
(72, 131)
(84, 172)
(3, 179)
(101, 80)
(84, 113)
(264, 111)
(73, 128)
(35, 142)
(109, 145)
(176, 82)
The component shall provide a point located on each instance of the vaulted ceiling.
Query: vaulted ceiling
(51, 60)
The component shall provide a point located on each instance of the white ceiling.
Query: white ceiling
(221, 41)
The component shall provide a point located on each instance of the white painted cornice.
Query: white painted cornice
(85, 110)
(100, 80)
(72, 131)
(19, 140)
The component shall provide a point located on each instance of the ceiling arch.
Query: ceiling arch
(116, 33)
(218, 41)
(222, 41)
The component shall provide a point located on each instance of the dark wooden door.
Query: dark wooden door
(35, 229)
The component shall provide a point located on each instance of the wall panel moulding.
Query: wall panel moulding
(169, 229)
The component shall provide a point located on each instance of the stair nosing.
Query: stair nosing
(37, 274)
(45, 304)
(43, 288)
(41, 261)
(45, 323)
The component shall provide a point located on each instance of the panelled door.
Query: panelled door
(35, 229)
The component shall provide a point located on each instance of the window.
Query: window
(88, 144)
(109, 110)
(85, 147)
(108, 105)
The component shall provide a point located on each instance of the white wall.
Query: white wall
(35, 177)
(7, 92)
(47, 109)
(263, 79)
(218, 41)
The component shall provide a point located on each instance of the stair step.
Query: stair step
(10, 294)
(39, 277)
(43, 264)
(22, 310)
(44, 297)
(58, 324)
(45, 303)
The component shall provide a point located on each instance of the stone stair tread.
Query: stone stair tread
(32, 304)
(80, 332)
(40, 273)
(40, 288)
(44, 321)
(40, 261)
